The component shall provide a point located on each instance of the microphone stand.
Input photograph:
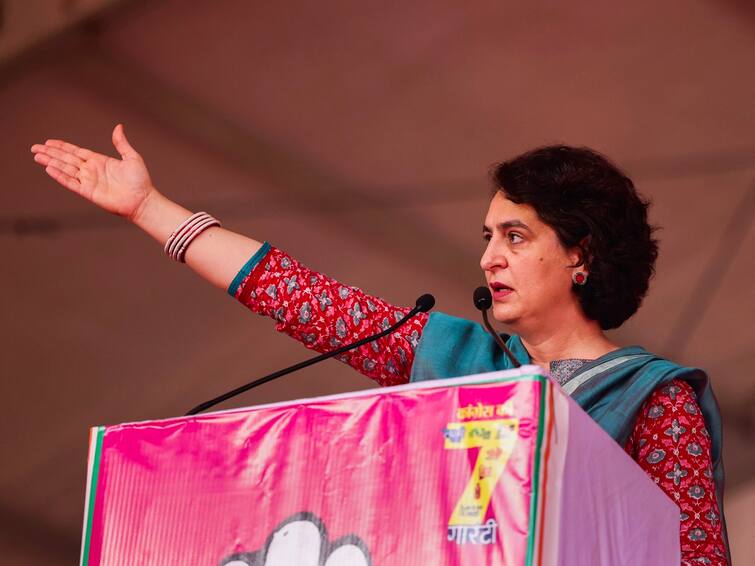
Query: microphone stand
(424, 304)
(482, 301)
(498, 339)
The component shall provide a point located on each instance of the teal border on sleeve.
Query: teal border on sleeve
(247, 269)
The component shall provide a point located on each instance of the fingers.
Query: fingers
(121, 143)
(64, 179)
(47, 160)
(64, 156)
(69, 148)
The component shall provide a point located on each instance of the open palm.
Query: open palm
(119, 186)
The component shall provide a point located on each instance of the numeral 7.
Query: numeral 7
(496, 440)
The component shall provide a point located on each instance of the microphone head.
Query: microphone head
(483, 299)
(425, 302)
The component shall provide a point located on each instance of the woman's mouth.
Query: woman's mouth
(500, 291)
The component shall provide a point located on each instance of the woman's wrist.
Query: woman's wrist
(138, 213)
(158, 216)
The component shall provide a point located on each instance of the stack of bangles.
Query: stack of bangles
(185, 234)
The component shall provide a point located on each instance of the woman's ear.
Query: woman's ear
(576, 258)
(579, 255)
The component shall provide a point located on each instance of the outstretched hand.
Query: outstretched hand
(120, 186)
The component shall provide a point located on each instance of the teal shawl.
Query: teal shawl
(610, 389)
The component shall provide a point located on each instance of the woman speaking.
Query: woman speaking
(569, 254)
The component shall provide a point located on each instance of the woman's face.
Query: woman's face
(527, 269)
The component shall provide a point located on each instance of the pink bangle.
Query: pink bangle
(176, 237)
(172, 237)
(186, 233)
(191, 236)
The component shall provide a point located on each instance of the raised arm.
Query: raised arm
(123, 187)
(318, 311)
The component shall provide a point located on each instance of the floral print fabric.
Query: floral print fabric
(324, 314)
(669, 440)
(672, 445)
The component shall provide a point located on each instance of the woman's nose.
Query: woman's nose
(491, 258)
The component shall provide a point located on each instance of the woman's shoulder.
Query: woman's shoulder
(673, 407)
(648, 358)
(675, 392)
(670, 375)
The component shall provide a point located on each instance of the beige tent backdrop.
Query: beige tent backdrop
(357, 136)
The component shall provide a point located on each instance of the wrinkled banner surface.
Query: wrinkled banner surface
(411, 475)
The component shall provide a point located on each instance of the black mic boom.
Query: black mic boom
(483, 300)
(423, 304)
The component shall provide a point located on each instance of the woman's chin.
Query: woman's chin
(505, 314)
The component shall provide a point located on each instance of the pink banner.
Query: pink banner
(412, 475)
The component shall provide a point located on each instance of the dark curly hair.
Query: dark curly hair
(592, 205)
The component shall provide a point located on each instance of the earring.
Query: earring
(579, 278)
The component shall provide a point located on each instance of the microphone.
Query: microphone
(423, 304)
(483, 300)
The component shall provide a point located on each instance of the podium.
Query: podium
(496, 469)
